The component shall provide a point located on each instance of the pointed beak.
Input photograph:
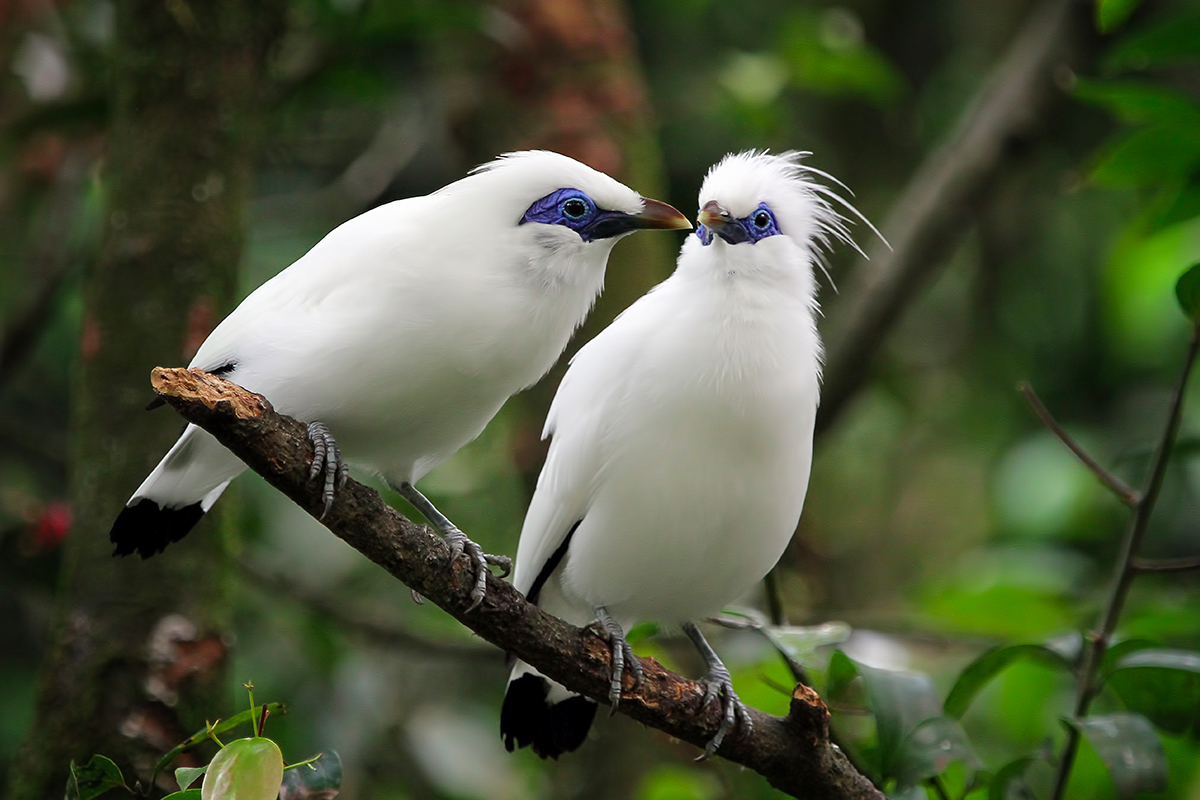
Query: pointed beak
(660, 216)
(721, 222)
(654, 215)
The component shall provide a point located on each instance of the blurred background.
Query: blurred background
(1035, 166)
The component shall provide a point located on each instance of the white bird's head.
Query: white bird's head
(559, 203)
(758, 209)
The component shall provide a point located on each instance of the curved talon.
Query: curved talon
(460, 544)
(718, 681)
(503, 562)
(622, 654)
(733, 711)
(458, 541)
(327, 458)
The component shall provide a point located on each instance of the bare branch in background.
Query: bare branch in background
(928, 219)
(793, 752)
(388, 634)
(1166, 564)
(1126, 494)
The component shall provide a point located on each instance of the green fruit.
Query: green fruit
(247, 769)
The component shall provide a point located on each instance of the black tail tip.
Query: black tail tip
(146, 528)
(526, 718)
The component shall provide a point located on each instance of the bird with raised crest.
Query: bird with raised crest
(682, 443)
(401, 333)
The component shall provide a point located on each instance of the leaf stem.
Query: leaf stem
(249, 687)
(1166, 564)
(1127, 567)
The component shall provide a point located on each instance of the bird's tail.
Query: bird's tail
(539, 712)
(180, 490)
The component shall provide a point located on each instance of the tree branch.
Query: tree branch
(390, 635)
(793, 753)
(1126, 494)
(1166, 564)
(1126, 568)
(931, 214)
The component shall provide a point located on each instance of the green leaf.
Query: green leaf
(321, 781)
(983, 669)
(246, 769)
(1187, 290)
(1148, 155)
(1007, 775)
(1139, 103)
(1118, 651)
(930, 748)
(1128, 746)
(842, 670)
(797, 642)
(224, 725)
(1174, 39)
(1111, 14)
(186, 776)
(186, 794)
(899, 701)
(94, 779)
(1162, 685)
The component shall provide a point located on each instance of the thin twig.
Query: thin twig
(1142, 565)
(391, 635)
(1126, 494)
(1126, 570)
(774, 598)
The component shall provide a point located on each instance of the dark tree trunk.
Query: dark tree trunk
(138, 655)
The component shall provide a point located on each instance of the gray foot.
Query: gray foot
(718, 683)
(622, 656)
(459, 544)
(327, 458)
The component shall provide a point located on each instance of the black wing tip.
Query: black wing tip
(146, 528)
(527, 719)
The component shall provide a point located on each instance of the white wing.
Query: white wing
(586, 405)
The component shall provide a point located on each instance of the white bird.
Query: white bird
(682, 442)
(404, 330)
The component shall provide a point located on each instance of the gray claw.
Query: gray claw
(458, 541)
(459, 544)
(622, 656)
(327, 458)
(716, 683)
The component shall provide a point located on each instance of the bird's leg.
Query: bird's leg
(327, 458)
(718, 681)
(458, 541)
(622, 655)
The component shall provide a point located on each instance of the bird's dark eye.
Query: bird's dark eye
(761, 220)
(574, 208)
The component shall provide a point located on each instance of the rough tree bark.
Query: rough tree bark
(137, 657)
(793, 752)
